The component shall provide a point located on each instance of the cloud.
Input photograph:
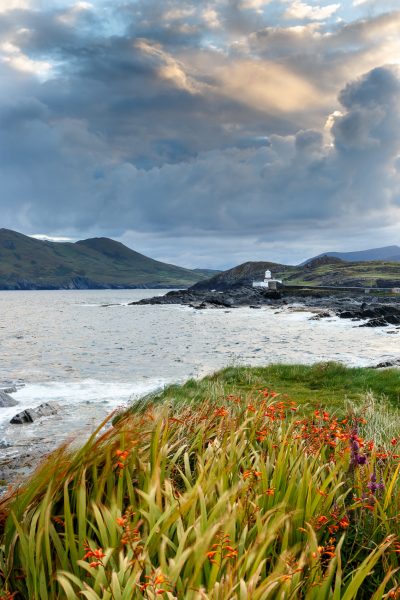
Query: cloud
(288, 184)
(8, 5)
(301, 10)
(214, 122)
(168, 68)
(257, 5)
(16, 59)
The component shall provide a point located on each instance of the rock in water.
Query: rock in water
(6, 400)
(10, 390)
(31, 414)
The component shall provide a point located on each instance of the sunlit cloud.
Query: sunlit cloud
(9, 5)
(301, 10)
(13, 57)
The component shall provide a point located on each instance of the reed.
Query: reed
(243, 496)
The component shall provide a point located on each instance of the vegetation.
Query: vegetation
(231, 488)
(99, 262)
(323, 271)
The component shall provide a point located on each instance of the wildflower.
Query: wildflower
(95, 564)
(154, 581)
(93, 553)
(122, 454)
(250, 473)
(344, 522)
(270, 491)
(372, 485)
(221, 412)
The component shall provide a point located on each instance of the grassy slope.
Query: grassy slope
(100, 259)
(323, 384)
(365, 273)
(218, 491)
(320, 272)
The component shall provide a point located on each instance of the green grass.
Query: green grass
(235, 487)
(327, 384)
(365, 274)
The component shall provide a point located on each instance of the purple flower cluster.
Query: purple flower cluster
(356, 458)
(373, 485)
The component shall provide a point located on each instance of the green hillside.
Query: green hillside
(28, 263)
(333, 271)
(329, 271)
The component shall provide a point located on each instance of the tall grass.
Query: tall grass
(240, 497)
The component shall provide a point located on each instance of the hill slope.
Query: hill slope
(244, 274)
(28, 263)
(324, 270)
(387, 253)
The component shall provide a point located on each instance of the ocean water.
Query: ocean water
(91, 353)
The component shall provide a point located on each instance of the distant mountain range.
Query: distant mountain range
(387, 253)
(28, 263)
(96, 263)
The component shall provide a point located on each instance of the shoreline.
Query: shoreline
(375, 310)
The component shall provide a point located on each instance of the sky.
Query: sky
(202, 133)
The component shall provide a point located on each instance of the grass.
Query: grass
(329, 384)
(228, 488)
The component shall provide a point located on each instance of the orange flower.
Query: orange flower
(221, 412)
(344, 522)
(122, 454)
(94, 564)
(270, 491)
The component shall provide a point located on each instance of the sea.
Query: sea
(92, 353)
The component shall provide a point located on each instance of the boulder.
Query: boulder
(10, 390)
(6, 400)
(387, 364)
(31, 414)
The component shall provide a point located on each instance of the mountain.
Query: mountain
(28, 263)
(387, 253)
(320, 271)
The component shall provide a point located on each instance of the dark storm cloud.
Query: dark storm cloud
(181, 121)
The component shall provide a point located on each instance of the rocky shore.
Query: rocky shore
(20, 456)
(367, 310)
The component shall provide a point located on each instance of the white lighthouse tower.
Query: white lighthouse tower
(269, 283)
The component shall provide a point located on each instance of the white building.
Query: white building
(268, 283)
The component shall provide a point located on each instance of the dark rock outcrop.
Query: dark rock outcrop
(235, 296)
(387, 364)
(379, 315)
(6, 400)
(31, 414)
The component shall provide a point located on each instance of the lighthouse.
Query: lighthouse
(269, 283)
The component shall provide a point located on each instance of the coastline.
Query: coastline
(373, 310)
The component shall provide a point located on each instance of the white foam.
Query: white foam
(72, 394)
